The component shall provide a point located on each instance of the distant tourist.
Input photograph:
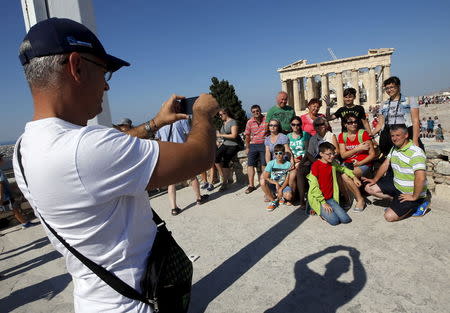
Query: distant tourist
(229, 148)
(439, 133)
(323, 193)
(423, 127)
(7, 198)
(281, 112)
(275, 180)
(178, 133)
(349, 107)
(407, 185)
(125, 124)
(398, 109)
(430, 127)
(255, 132)
(313, 112)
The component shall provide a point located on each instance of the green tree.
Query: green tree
(227, 98)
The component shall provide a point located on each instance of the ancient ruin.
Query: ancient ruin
(365, 73)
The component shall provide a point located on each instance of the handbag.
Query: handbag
(166, 284)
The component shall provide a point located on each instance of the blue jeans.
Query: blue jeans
(337, 216)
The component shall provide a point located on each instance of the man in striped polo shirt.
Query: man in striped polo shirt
(254, 144)
(407, 187)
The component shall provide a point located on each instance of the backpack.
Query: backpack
(360, 136)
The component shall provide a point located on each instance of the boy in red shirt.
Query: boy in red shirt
(323, 193)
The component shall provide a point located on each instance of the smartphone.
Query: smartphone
(186, 105)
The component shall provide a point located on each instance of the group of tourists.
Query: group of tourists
(430, 128)
(300, 157)
(427, 100)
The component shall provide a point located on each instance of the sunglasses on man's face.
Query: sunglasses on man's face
(279, 153)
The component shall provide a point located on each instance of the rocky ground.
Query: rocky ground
(254, 261)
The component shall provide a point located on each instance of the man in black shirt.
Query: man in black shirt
(349, 106)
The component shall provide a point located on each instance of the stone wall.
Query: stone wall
(438, 170)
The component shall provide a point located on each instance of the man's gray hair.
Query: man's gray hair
(42, 72)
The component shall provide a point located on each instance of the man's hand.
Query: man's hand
(369, 181)
(327, 207)
(326, 99)
(357, 181)
(205, 105)
(405, 197)
(168, 113)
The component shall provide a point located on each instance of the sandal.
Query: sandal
(176, 211)
(250, 189)
(203, 199)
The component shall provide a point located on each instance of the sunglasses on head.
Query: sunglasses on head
(279, 153)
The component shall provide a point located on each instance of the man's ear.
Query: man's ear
(74, 64)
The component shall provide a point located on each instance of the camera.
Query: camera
(186, 105)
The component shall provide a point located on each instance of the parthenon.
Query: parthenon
(364, 73)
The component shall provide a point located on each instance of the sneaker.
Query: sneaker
(282, 201)
(204, 185)
(272, 206)
(210, 187)
(422, 209)
(357, 210)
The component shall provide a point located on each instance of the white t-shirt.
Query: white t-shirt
(89, 185)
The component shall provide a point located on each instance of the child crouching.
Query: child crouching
(276, 179)
(323, 193)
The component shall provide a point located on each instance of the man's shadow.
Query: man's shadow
(46, 289)
(314, 293)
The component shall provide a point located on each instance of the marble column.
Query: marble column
(386, 75)
(372, 92)
(355, 84)
(380, 86)
(301, 98)
(296, 96)
(284, 86)
(290, 92)
(339, 90)
(309, 88)
(325, 88)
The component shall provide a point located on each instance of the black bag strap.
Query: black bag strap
(112, 280)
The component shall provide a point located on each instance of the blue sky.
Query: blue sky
(177, 46)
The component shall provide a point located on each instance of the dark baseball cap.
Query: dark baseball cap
(62, 35)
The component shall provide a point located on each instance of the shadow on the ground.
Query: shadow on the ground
(314, 293)
(37, 244)
(30, 264)
(217, 281)
(46, 289)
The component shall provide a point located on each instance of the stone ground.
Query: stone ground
(251, 260)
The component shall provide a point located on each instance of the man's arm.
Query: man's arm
(366, 125)
(383, 169)
(177, 162)
(415, 120)
(419, 182)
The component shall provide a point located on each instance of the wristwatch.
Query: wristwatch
(148, 128)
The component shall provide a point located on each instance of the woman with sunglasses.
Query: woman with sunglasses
(274, 136)
(298, 144)
(323, 134)
(313, 112)
(229, 147)
(357, 152)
